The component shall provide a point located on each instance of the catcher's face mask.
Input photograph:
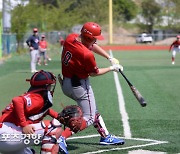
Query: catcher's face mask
(51, 88)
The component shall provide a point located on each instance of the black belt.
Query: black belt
(75, 81)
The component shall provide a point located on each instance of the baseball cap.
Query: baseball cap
(35, 30)
(43, 36)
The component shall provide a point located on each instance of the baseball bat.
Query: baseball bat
(136, 93)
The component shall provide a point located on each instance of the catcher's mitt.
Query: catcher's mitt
(71, 116)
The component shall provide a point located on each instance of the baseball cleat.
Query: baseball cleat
(173, 62)
(62, 145)
(111, 140)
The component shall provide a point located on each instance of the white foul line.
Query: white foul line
(125, 148)
(153, 142)
(122, 109)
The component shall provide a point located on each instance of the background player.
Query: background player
(25, 113)
(175, 47)
(61, 42)
(43, 50)
(78, 63)
(33, 43)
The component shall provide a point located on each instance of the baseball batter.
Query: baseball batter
(33, 43)
(175, 47)
(78, 63)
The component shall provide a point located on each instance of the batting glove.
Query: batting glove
(116, 67)
(113, 60)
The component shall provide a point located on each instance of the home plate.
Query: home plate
(145, 152)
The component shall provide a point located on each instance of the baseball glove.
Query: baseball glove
(71, 116)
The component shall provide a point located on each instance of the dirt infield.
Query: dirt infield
(135, 47)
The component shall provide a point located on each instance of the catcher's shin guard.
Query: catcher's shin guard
(100, 125)
(53, 131)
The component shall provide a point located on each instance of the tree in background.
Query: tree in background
(177, 15)
(124, 10)
(19, 24)
(58, 15)
(151, 13)
(172, 8)
(64, 14)
(48, 2)
(90, 10)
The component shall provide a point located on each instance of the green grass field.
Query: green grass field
(154, 128)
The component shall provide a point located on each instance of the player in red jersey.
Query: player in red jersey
(78, 63)
(175, 47)
(23, 118)
(43, 50)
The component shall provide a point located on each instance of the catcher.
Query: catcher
(22, 124)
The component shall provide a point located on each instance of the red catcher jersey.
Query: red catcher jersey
(43, 44)
(23, 107)
(77, 59)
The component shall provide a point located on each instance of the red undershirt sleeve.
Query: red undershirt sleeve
(53, 113)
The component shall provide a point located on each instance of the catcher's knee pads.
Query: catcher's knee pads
(53, 131)
(49, 146)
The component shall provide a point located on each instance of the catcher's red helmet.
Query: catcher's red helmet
(92, 30)
(42, 78)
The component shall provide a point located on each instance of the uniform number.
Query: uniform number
(67, 58)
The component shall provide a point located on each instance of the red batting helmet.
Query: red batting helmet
(92, 30)
(42, 78)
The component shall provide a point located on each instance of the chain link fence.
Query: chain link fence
(9, 41)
